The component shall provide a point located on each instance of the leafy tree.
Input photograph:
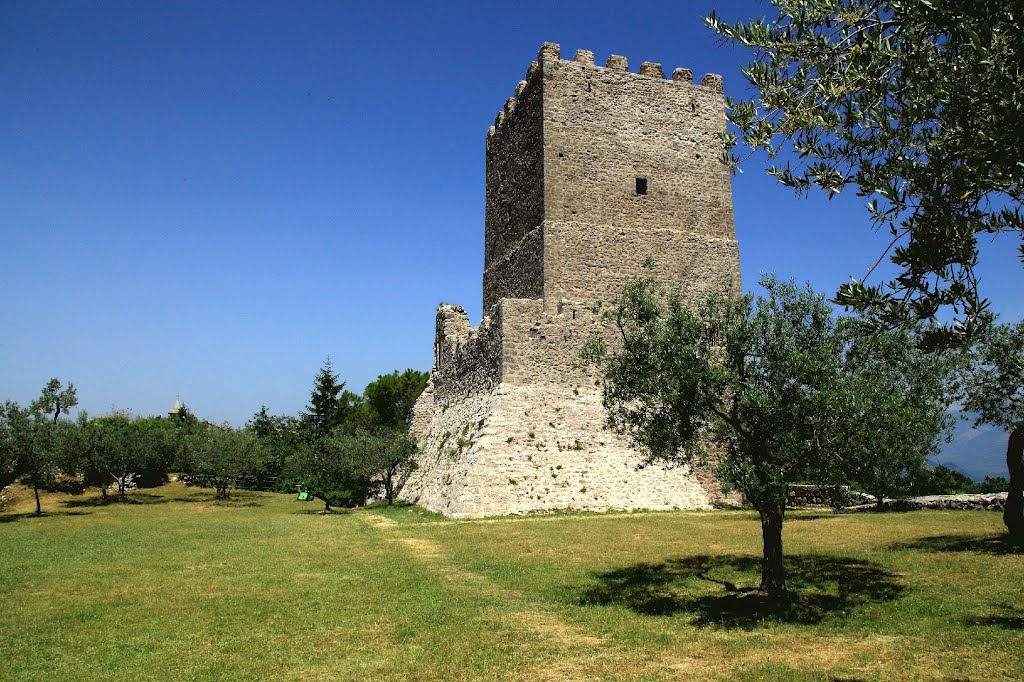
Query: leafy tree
(55, 399)
(898, 409)
(220, 456)
(916, 105)
(120, 450)
(338, 468)
(157, 435)
(281, 437)
(392, 455)
(939, 480)
(391, 397)
(766, 383)
(8, 446)
(994, 390)
(992, 484)
(43, 448)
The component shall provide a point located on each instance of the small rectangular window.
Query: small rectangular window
(641, 186)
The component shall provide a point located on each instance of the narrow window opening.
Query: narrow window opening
(641, 186)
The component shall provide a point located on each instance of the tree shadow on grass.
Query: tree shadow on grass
(1005, 621)
(11, 518)
(810, 516)
(320, 511)
(990, 544)
(721, 591)
(131, 498)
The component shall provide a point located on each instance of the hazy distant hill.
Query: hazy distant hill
(976, 452)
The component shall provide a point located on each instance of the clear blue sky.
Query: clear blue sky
(207, 199)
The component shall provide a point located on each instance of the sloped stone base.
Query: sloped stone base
(533, 448)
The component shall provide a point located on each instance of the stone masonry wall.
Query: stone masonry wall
(522, 449)
(565, 219)
(595, 262)
(605, 129)
(467, 360)
(512, 421)
(514, 209)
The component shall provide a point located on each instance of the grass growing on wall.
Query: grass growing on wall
(177, 586)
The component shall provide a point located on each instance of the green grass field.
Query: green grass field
(179, 587)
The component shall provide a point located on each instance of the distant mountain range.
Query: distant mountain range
(975, 452)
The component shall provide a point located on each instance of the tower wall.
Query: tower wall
(512, 421)
(514, 210)
(565, 219)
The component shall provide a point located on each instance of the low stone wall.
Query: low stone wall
(986, 502)
(818, 496)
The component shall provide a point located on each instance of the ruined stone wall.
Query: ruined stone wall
(467, 360)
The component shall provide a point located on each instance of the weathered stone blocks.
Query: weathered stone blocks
(594, 176)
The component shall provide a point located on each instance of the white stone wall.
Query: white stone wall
(529, 448)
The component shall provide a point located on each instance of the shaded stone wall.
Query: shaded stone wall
(467, 360)
(514, 209)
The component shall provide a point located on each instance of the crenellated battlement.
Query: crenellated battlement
(551, 52)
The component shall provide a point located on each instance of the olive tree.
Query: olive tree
(768, 384)
(221, 456)
(915, 105)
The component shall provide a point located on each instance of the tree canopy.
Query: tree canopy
(915, 104)
(391, 396)
(330, 404)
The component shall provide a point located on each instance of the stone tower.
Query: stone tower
(595, 175)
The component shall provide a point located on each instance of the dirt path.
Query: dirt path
(567, 649)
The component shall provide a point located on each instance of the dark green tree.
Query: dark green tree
(45, 445)
(939, 480)
(391, 455)
(9, 412)
(56, 399)
(338, 468)
(44, 448)
(993, 389)
(330, 405)
(917, 105)
(120, 450)
(390, 397)
(281, 437)
(765, 383)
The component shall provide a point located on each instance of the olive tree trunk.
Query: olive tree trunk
(1013, 512)
(773, 572)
